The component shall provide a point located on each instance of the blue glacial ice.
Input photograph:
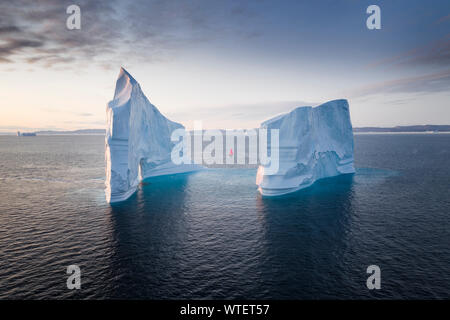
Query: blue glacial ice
(314, 143)
(138, 143)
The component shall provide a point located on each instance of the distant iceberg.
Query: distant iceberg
(137, 141)
(314, 143)
(26, 134)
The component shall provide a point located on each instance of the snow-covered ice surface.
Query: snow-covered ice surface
(315, 143)
(137, 141)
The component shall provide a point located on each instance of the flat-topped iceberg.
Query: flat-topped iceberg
(137, 141)
(314, 143)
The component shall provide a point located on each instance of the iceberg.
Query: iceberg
(137, 141)
(314, 143)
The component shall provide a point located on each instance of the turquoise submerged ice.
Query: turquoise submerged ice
(138, 142)
(315, 143)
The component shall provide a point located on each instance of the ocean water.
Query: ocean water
(210, 235)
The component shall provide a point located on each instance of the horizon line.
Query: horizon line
(104, 129)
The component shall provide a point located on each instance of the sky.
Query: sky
(230, 64)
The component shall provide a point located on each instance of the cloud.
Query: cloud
(434, 53)
(433, 57)
(443, 19)
(114, 31)
(12, 46)
(437, 54)
(15, 128)
(5, 60)
(434, 82)
(9, 29)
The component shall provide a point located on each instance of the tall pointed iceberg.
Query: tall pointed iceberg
(314, 143)
(137, 141)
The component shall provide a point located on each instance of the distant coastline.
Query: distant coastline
(428, 128)
(53, 132)
(82, 131)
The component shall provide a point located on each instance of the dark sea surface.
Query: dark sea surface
(210, 234)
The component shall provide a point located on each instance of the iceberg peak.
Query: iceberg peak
(137, 141)
(124, 86)
(126, 74)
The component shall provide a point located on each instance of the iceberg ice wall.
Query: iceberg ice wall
(314, 143)
(137, 140)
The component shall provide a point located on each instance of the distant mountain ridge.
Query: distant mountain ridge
(416, 128)
(82, 131)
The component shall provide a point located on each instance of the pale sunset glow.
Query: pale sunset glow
(229, 64)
